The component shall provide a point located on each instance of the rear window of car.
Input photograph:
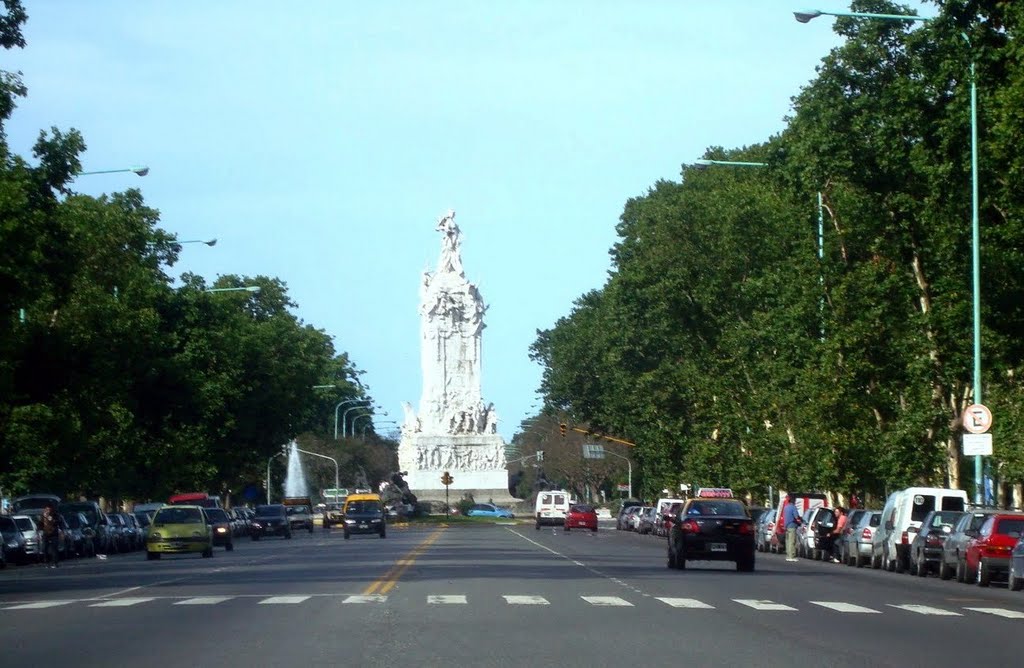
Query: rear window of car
(24, 523)
(923, 504)
(938, 519)
(733, 508)
(269, 511)
(582, 508)
(176, 516)
(217, 515)
(1007, 526)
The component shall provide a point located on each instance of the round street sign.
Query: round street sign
(977, 419)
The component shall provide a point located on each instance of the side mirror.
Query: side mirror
(889, 526)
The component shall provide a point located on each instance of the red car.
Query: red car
(989, 553)
(580, 516)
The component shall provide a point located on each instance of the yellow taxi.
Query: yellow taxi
(179, 530)
(364, 513)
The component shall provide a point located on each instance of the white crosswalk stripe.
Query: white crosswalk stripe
(925, 610)
(283, 600)
(38, 605)
(768, 606)
(372, 598)
(686, 603)
(204, 600)
(999, 612)
(526, 600)
(120, 602)
(839, 606)
(449, 599)
(607, 601)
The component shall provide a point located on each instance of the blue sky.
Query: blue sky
(319, 142)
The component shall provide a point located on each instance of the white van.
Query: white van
(552, 507)
(901, 519)
(665, 511)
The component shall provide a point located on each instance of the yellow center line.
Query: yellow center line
(390, 579)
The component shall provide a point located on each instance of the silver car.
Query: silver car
(858, 541)
(33, 538)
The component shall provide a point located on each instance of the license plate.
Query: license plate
(363, 526)
(719, 547)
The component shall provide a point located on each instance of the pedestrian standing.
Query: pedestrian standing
(837, 533)
(790, 520)
(51, 534)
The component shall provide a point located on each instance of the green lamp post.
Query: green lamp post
(805, 16)
(140, 170)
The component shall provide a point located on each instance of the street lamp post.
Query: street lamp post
(807, 15)
(344, 416)
(629, 473)
(280, 454)
(363, 415)
(209, 242)
(316, 454)
(141, 170)
(338, 406)
(248, 288)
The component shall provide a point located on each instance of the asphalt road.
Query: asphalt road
(501, 595)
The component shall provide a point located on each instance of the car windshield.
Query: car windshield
(938, 519)
(582, 508)
(73, 520)
(295, 510)
(24, 523)
(363, 507)
(177, 516)
(143, 519)
(269, 511)
(216, 515)
(1007, 526)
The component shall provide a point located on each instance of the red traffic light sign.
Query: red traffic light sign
(446, 479)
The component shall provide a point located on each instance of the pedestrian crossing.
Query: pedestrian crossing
(522, 599)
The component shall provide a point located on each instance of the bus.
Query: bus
(195, 499)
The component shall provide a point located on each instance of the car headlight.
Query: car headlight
(13, 544)
(155, 535)
(257, 525)
(221, 530)
(376, 521)
(350, 521)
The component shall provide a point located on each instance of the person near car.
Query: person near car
(790, 520)
(51, 534)
(837, 533)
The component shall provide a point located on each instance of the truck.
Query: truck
(300, 512)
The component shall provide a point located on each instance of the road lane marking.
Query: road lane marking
(839, 606)
(204, 600)
(691, 603)
(121, 602)
(758, 604)
(926, 610)
(607, 601)
(999, 612)
(526, 600)
(373, 598)
(38, 605)
(283, 600)
(385, 584)
(454, 599)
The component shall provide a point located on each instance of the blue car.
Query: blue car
(489, 510)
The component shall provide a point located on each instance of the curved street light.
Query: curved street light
(339, 405)
(247, 288)
(344, 415)
(807, 15)
(141, 170)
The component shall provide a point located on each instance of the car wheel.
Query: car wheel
(383, 534)
(288, 536)
(538, 526)
(745, 565)
(311, 529)
(959, 570)
(255, 536)
(565, 529)
(593, 529)
(815, 555)
(1013, 582)
(919, 568)
(945, 572)
(984, 575)
(347, 535)
(671, 559)
(207, 553)
(150, 556)
(876, 561)
(230, 547)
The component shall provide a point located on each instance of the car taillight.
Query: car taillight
(933, 540)
(771, 526)
(690, 526)
(903, 538)
(866, 534)
(745, 528)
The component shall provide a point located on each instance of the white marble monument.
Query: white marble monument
(454, 430)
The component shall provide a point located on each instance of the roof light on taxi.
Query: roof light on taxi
(714, 493)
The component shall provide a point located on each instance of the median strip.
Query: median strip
(385, 584)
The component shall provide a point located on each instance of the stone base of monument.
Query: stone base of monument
(476, 462)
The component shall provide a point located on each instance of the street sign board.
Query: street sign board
(334, 494)
(977, 444)
(623, 488)
(593, 451)
(977, 419)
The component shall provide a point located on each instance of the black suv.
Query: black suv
(271, 520)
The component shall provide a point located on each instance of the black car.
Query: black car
(364, 516)
(712, 530)
(83, 538)
(221, 523)
(271, 520)
(13, 546)
(97, 520)
(926, 548)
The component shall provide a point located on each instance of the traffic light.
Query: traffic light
(446, 479)
(562, 427)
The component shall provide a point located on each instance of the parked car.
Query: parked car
(83, 538)
(902, 516)
(180, 529)
(955, 546)
(103, 539)
(620, 520)
(221, 523)
(764, 526)
(117, 538)
(33, 544)
(858, 541)
(271, 520)
(489, 510)
(581, 516)
(988, 555)
(926, 549)
(1015, 579)
(804, 501)
(13, 546)
(842, 544)
(807, 534)
(647, 521)
(631, 518)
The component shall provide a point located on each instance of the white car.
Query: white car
(901, 519)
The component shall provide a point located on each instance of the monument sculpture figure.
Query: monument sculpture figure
(454, 430)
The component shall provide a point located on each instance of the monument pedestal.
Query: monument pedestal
(475, 461)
